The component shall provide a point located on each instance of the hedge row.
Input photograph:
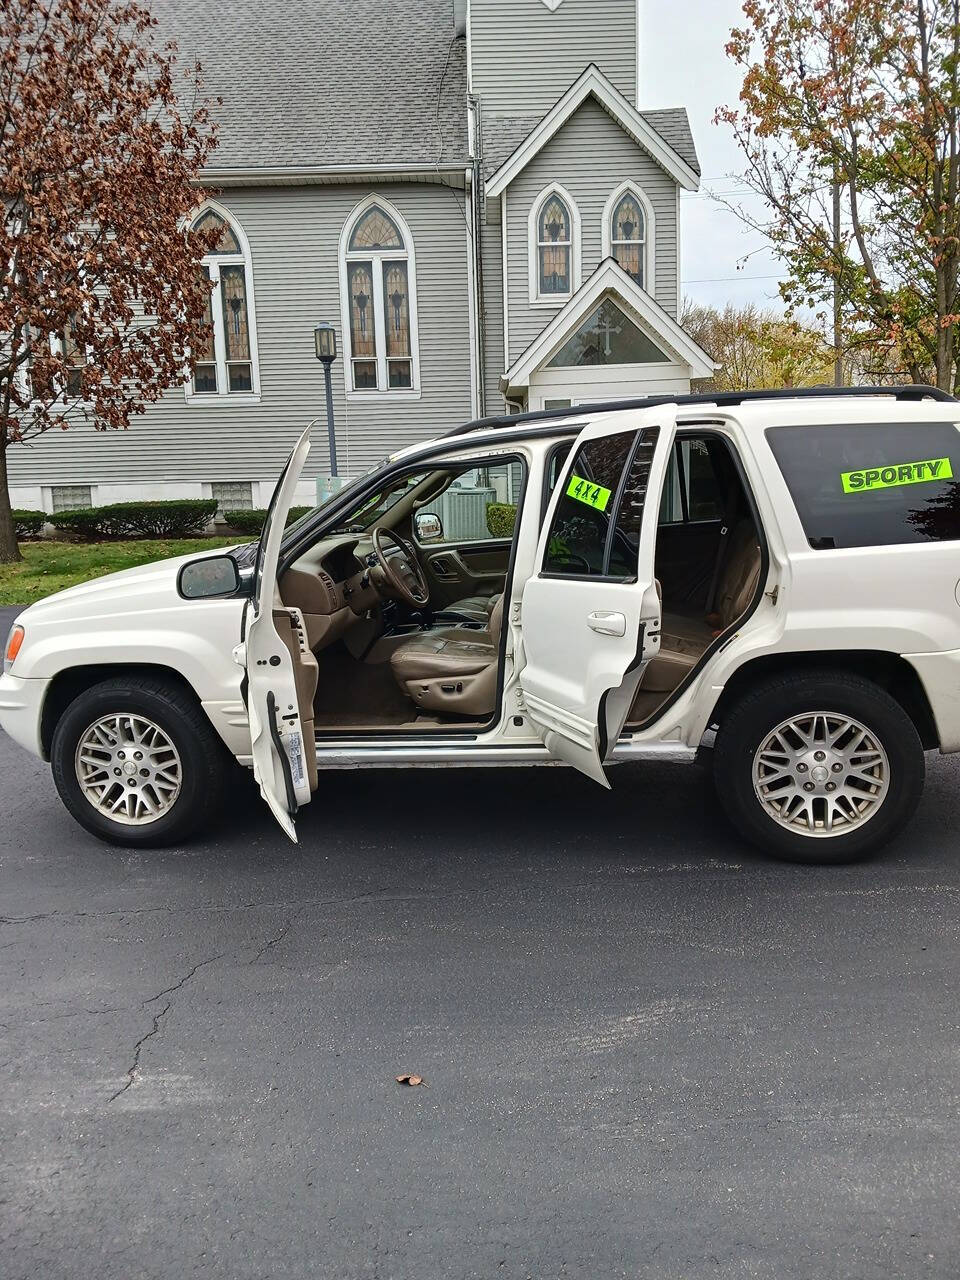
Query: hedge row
(181, 518)
(252, 521)
(501, 519)
(29, 524)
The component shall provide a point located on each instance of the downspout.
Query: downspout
(476, 156)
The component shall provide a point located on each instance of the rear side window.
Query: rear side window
(596, 526)
(872, 485)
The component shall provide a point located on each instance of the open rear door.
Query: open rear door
(590, 616)
(279, 669)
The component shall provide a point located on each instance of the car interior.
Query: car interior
(708, 564)
(404, 602)
(404, 599)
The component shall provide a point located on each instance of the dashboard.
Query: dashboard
(332, 586)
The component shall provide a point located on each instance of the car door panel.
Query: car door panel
(279, 676)
(587, 636)
(467, 569)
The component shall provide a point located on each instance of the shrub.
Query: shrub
(179, 518)
(252, 521)
(29, 524)
(501, 519)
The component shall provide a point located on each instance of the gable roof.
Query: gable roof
(593, 83)
(327, 84)
(611, 278)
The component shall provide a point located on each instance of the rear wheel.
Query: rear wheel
(137, 763)
(818, 767)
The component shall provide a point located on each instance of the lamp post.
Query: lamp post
(325, 342)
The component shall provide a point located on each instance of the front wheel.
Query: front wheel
(818, 767)
(137, 763)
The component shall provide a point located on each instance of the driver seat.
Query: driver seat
(456, 677)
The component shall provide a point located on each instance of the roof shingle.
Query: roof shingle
(329, 82)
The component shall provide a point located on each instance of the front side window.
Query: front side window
(595, 531)
(225, 364)
(380, 305)
(872, 484)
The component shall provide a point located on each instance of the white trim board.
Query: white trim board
(609, 277)
(591, 83)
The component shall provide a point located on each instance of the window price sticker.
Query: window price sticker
(891, 477)
(594, 495)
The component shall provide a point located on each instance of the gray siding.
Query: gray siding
(523, 57)
(293, 234)
(590, 156)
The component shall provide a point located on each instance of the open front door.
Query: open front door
(279, 667)
(590, 615)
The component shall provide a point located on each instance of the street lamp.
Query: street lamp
(325, 342)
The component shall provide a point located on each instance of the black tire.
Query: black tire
(203, 757)
(769, 703)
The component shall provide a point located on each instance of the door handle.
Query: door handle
(608, 624)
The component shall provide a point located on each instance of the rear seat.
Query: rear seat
(683, 639)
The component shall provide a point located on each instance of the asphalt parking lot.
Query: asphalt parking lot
(648, 1052)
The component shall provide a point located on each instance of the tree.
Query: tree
(101, 292)
(859, 98)
(757, 348)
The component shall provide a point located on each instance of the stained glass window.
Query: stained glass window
(607, 337)
(205, 368)
(553, 247)
(224, 363)
(628, 236)
(376, 230)
(228, 242)
(381, 303)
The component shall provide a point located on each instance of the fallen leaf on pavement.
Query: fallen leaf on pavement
(410, 1079)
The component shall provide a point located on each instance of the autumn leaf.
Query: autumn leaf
(410, 1080)
(102, 296)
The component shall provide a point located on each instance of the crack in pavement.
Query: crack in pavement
(281, 933)
(134, 1068)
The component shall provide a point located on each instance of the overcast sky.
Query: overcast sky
(682, 64)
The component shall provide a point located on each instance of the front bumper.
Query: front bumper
(21, 706)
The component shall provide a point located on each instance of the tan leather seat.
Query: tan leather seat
(441, 672)
(475, 608)
(684, 640)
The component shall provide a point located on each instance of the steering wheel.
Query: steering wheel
(401, 569)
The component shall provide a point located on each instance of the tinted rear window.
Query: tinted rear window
(867, 485)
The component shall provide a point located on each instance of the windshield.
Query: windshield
(293, 528)
(376, 505)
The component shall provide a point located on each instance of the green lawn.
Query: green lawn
(50, 566)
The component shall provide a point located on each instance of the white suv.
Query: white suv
(604, 584)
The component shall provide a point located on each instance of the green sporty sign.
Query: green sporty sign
(902, 473)
(594, 495)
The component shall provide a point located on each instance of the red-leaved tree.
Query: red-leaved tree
(101, 292)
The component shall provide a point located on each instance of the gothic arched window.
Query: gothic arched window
(227, 364)
(380, 321)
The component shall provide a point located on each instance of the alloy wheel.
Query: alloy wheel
(128, 769)
(821, 774)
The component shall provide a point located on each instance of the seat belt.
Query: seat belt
(730, 512)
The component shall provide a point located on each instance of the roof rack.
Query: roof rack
(719, 398)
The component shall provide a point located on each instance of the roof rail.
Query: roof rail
(720, 398)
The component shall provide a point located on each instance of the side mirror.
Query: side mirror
(428, 525)
(208, 578)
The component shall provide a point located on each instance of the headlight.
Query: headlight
(14, 641)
